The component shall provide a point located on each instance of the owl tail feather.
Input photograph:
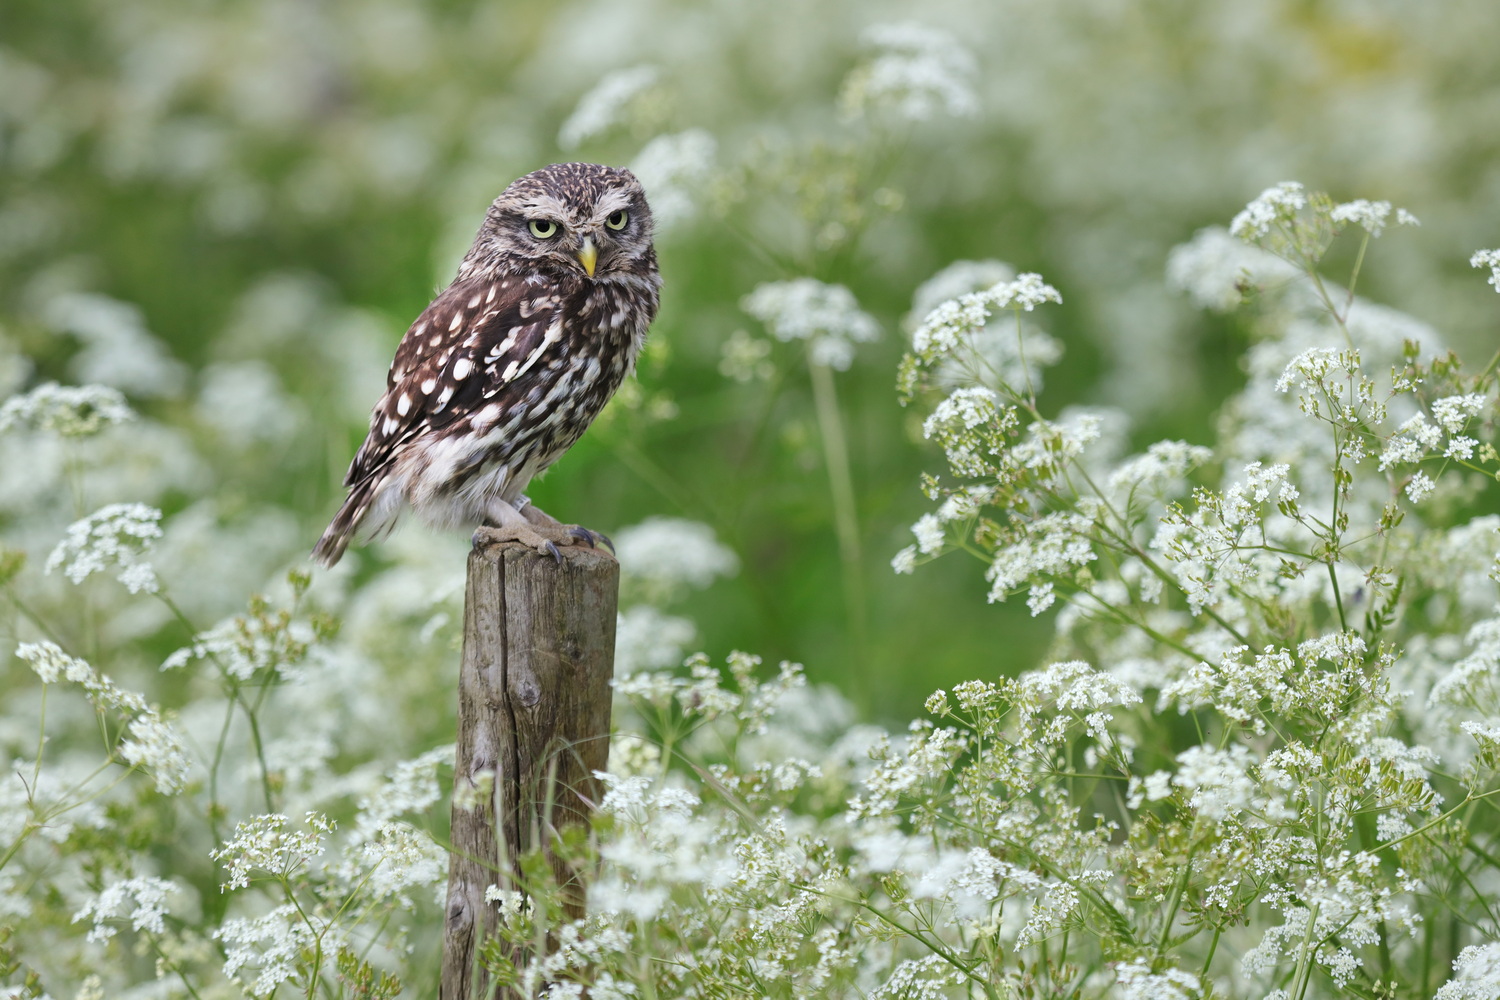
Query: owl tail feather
(330, 548)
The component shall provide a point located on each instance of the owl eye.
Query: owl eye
(618, 219)
(542, 229)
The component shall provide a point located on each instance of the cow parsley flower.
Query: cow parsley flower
(118, 535)
(826, 316)
(52, 664)
(666, 555)
(1476, 974)
(69, 411)
(1275, 204)
(158, 748)
(1491, 260)
(144, 898)
(648, 639)
(915, 71)
(673, 169)
(1453, 412)
(399, 857)
(267, 843)
(606, 105)
(274, 944)
(1218, 781)
(1138, 982)
(1215, 269)
(1371, 215)
(1420, 487)
(118, 349)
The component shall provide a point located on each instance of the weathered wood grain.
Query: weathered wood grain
(534, 712)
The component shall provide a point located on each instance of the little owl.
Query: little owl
(508, 366)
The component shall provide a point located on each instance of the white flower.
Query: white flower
(149, 896)
(120, 535)
(159, 748)
(905, 561)
(1214, 269)
(411, 786)
(118, 350)
(71, 411)
(1477, 974)
(399, 857)
(265, 843)
(1028, 291)
(1491, 260)
(1138, 982)
(1218, 780)
(1453, 412)
(916, 72)
(1040, 598)
(1371, 215)
(1279, 203)
(929, 532)
(673, 169)
(649, 639)
(245, 402)
(827, 316)
(274, 943)
(1420, 486)
(668, 554)
(52, 664)
(962, 277)
(606, 105)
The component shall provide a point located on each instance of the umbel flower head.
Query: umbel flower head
(120, 535)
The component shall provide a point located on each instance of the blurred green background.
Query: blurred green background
(232, 211)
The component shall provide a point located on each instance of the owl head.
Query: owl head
(578, 219)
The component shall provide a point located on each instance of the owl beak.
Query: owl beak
(587, 255)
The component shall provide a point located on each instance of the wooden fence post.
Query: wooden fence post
(533, 711)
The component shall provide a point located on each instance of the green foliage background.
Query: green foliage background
(287, 183)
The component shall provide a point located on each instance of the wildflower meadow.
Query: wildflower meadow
(1058, 507)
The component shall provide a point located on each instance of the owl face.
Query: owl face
(578, 219)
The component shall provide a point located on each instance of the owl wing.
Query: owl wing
(474, 340)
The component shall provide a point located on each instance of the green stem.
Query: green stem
(1302, 978)
(841, 486)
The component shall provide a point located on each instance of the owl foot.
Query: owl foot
(544, 521)
(536, 529)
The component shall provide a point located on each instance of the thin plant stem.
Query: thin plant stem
(841, 486)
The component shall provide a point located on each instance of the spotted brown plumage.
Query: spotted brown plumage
(506, 368)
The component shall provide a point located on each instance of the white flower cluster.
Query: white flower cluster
(146, 899)
(916, 72)
(70, 411)
(275, 945)
(946, 326)
(607, 104)
(1138, 982)
(153, 744)
(1216, 269)
(1371, 216)
(665, 556)
(1278, 204)
(1491, 260)
(269, 844)
(674, 169)
(826, 316)
(1476, 974)
(1218, 543)
(119, 535)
